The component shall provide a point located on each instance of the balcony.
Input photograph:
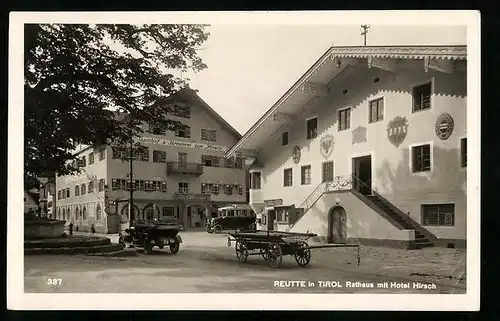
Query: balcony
(192, 197)
(184, 168)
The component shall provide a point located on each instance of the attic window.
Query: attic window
(312, 128)
(181, 111)
(284, 138)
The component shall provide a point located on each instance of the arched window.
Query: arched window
(150, 212)
(84, 213)
(58, 213)
(77, 213)
(124, 217)
(69, 214)
(98, 212)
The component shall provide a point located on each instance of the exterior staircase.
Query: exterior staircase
(394, 215)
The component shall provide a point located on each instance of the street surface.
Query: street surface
(205, 264)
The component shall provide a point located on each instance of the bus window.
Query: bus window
(230, 213)
(241, 213)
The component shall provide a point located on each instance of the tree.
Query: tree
(77, 77)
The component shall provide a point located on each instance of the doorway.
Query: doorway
(362, 172)
(271, 216)
(337, 226)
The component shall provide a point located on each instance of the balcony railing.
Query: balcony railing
(192, 197)
(184, 168)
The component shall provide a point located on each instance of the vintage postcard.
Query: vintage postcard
(244, 160)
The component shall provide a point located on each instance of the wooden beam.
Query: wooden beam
(442, 65)
(288, 118)
(314, 88)
(384, 64)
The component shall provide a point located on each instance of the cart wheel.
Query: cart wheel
(209, 229)
(274, 255)
(148, 249)
(174, 247)
(241, 251)
(218, 229)
(303, 254)
(263, 253)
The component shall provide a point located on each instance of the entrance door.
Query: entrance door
(338, 225)
(271, 216)
(362, 171)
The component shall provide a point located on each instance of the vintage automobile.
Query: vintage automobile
(232, 217)
(147, 234)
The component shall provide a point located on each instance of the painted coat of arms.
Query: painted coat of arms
(359, 135)
(397, 129)
(326, 145)
(444, 126)
(296, 154)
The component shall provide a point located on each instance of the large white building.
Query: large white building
(368, 146)
(183, 175)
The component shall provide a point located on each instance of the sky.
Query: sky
(251, 66)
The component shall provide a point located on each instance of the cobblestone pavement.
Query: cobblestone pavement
(205, 264)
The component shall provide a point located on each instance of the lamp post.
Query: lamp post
(131, 198)
(364, 31)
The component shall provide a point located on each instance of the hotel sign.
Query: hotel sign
(177, 143)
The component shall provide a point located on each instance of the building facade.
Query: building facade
(183, 176)
(369, 146)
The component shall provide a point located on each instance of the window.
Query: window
(228, 189)
(376, 110)
(240, 189)
(168, 211)
(239, 162)
(327, 171)
(287, 177)
(102, 154)
(209, 135)
(181, 111)
(67, 192)
(91, 187)
(182, 158)
(255, 180)
(118, 153)
(421, 156)
(305, 175)
(101, 185)
(58, 195)
(83, 189)
(82, 162)
(183, 188)
(209, 160)
(438, 215)
(206, 188)
(229, 162)
(84, 213)
(284, 138)
(98, 212)
(159, 156)
(215, 189)
(312, 128)
(77, 190)
(183, 133)
(422, 97)
(164, 187)
(463, 152)
(142, 154)
(156, 129)
(281, 215)
(344, 119)
(91, 158)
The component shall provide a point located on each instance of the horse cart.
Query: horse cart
(272, 246)
(147, 234)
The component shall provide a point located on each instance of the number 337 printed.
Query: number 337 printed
(54, 281)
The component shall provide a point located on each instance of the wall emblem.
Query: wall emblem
(326, 145)
(444, 126)
(397, 130)
(359, 135)
(296, 154)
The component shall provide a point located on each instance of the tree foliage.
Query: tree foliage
(75, 74)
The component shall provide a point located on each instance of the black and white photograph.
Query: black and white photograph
(244, 160)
